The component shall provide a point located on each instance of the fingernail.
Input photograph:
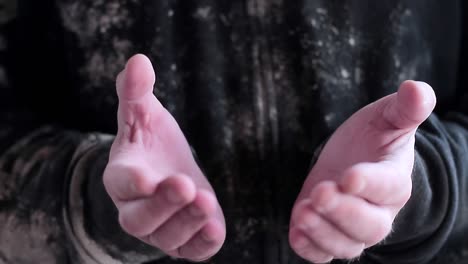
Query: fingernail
(173, 197)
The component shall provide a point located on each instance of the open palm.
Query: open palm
(361, 179)
(162, 196)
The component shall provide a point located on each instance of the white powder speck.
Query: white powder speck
(203, 12)
(277, 76)
(329, 117)
(344, 73)
(397, 62)
(313, 22)
(321, 11)
(335, 30)
(358, 75)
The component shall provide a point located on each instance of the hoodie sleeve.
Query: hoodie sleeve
(52, 201)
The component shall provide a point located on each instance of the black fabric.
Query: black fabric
(256, 86)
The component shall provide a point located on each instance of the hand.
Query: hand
(161, 194)
(362, 178)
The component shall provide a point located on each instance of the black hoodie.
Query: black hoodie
(256, 87)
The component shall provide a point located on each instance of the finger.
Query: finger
(183, 225)
(136, 80)
(379, 183)
(354, 216)
(326, 236)
(205, 243)
(124, 181)
(141, 217)
(306, 248)
(137, 104)
(412, 104)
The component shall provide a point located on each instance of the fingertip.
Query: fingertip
(205, 202)
(418, 95)
(307, 249)
(298, 240)
(137, 79)
(308, 220)
(353, 182)
(213, 232)
(137, 63)
(179, 189)
(324, 196)
(430, 98)
(137, 57)
(125, 181)
(299, 207)
(205, 243)
(410, 106)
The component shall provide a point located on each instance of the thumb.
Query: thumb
(136, 100)
(412, 104)
(136, 80)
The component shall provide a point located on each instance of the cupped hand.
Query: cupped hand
(362, 178)
(161, 194)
